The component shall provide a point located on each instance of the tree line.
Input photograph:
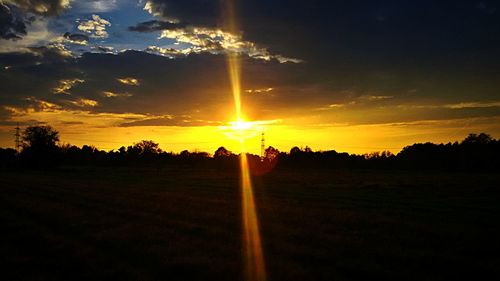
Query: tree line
(41, 149)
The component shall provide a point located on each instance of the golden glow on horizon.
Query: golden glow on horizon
(101, 130)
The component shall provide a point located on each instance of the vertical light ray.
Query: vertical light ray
(234, 75)
(253, 255)
(254, 258)
(233, 62)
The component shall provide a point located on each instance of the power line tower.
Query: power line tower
(18, 138)
(262, 147)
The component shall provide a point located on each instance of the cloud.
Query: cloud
(95, 6)
(38, 34)
(167, 52)
(12, 26)
(76, 38)
(374, 98)
(17, 15)
(103, 49)
(155, 25)
(463, 105)
(217, 41)
(344, 48)
(129, 81)
(261, 21)
(41, 7)
(359, 101)
(196, 23)
(194, 12)
(456, 106)
(96, 26)
(197, 85)
(109, 94)
(65, 85)
(82, 102)
(259, 91)
(38, 105)
(169, 120)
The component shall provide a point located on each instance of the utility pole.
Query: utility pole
(262, 147)
(18, 138)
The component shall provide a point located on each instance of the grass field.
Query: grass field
(181, 224)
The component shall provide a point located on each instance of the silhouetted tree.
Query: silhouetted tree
(222, 152)
(122, 150)
(40, 146)
(295, 150)
(477, 152)
(147, 147)
(184, 154)
(7, 158)
(271, 154)
(40, 138)
(482, 138)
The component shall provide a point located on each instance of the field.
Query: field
(185, 224)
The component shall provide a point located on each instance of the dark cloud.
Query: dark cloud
(76, 37)
(184, 91)
(12, 26)
(155, 25)
(416, 52)
(433, 36)
(196, 85)
(15, 15)
(103, 49)
(41, 7)
(192, 12)
(35, 56)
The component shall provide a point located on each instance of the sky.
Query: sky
(353, 76)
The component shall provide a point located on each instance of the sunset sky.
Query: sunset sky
(354, 76)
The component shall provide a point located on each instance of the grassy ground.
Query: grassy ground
(102, 224)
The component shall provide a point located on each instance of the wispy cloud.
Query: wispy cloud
(259, 91)
(75, 38)
(374, 98)
(459, 105)
(109, 94)
(129, 81)
(38, 105)
(96, 6)
(65, 85)
(473, 105)
(85, 102)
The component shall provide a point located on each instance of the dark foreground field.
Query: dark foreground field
(183, 224)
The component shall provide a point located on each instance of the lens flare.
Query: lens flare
(253, 255)
(254, 258)
(234, 75)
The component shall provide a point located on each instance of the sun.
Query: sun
(241, 129)
(241, 125)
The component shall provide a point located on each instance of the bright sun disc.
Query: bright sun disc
(241, 130)
(241, 125)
